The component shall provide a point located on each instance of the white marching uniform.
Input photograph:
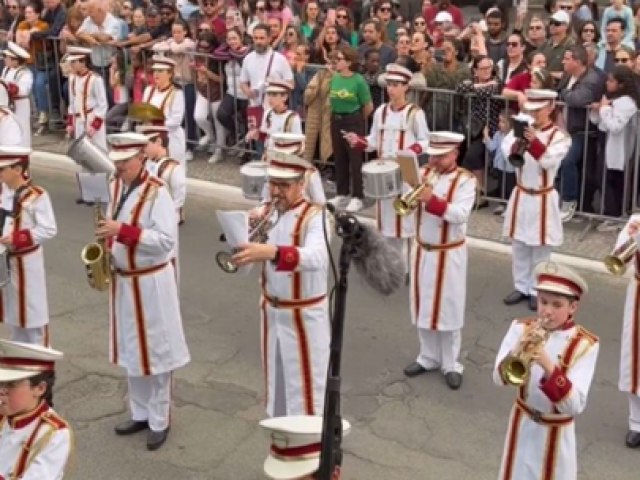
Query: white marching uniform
(393, 131)
(43, 429)
(295, 327)
(23, 79)
(541, 440)
(439, 270)
(532, 220)
(629, 376)
(10, 129)
(146, 335)
(273, 122)
(30, 223)
(171, 102)
(88, 106)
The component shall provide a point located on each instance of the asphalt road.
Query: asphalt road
(402, 429)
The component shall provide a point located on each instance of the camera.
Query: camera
(518, 128)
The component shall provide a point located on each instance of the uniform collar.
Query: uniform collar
(85, 73)
(296, 204)
(17, 422)
(547, 127)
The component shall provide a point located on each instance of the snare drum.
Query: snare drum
(254, 177)
(381, 179)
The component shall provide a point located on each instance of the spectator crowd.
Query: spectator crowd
(470, 74)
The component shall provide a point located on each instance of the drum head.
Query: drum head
(380, 166)
(254, 169)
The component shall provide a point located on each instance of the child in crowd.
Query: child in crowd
(371, 73)
(504, 171)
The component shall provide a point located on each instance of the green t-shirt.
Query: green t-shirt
(348, 94)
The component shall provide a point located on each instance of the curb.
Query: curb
(229, 193)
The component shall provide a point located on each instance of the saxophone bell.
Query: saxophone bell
(96, 257)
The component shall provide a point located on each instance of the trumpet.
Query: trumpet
(96, 257)
(409, 202)
(259, 233)
(516, 367)
(616, 261)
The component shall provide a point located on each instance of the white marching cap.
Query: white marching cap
(125, 145)
(443, 17)
(276, 85)
(538, 98)
(557, 278)
(152, 131)
(288, 142)
(16, 51)
(76, 53)
(398, 73)
(283, 160)
(295, 445)
(160, 62)
(443, 142)
(11, 155)
(23, 360)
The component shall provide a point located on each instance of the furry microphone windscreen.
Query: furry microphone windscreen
(381, 265)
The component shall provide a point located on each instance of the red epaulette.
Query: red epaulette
(586, 334)
(55, 420)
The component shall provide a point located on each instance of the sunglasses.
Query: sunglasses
(385, 9)
(555, 23)
(622, 60)
(513, 44)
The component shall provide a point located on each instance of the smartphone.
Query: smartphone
(438, 55)
(331, 16)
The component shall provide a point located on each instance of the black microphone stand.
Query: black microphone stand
(348, 228)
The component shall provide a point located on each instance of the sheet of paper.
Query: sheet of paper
(408, 162)
(94, 187)
(235, 226)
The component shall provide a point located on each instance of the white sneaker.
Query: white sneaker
(204, 140)
(499, 210)
(608, 226)
(567, 211)
(215, 158)
(338, 200)
(355, 205)
(189, 156)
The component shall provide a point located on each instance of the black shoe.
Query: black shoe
(130, 427)
(453, 379)
(632, 439)
(80, 201)
(414, 370)
(515, 297)
(533, 303)
(90, 204)
(156, 439)
(481, 204)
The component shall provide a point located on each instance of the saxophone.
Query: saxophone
(96, 258)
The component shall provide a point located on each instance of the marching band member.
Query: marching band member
(87, 99)
(164, 95)
(541, 441)
(19, 79)
(397, 125)
(439, 260)
(532, 219)
(629, 380)
(146, 335)
(294, 144)
(277, 118)
(295, 447)
(35, 442)
(27, 221)
(295, 327)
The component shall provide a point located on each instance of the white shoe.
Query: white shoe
(355, 205)
(338, 200)
(608, 226)
(204, 140)
(215, 158)
(567, 211)
(499, 210)
(189, 156)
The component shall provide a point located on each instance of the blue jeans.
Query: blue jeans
(189, 123)
(40, 82)
(570, 169)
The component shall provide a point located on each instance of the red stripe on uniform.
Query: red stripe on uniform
(514, 213)
(114, 324)
(635, 340)
(303, 347)
(22, 297)
(550, 454)
(265, 348)
(514, 428)
(543, 211)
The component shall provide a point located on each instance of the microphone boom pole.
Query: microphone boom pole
(349, 229)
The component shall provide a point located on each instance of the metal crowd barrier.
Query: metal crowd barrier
(445, 110)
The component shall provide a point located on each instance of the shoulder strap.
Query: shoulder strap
(288, 121)
(165, 163)
(273, 53)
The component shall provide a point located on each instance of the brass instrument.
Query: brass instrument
(516, 367)
(616, 261)
(96, 257)
(259, 233)
(410, 201)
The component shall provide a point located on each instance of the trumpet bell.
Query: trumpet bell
(515, 371)
(615, 265)
(401, 206)
(225, 262)
(516, 159)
